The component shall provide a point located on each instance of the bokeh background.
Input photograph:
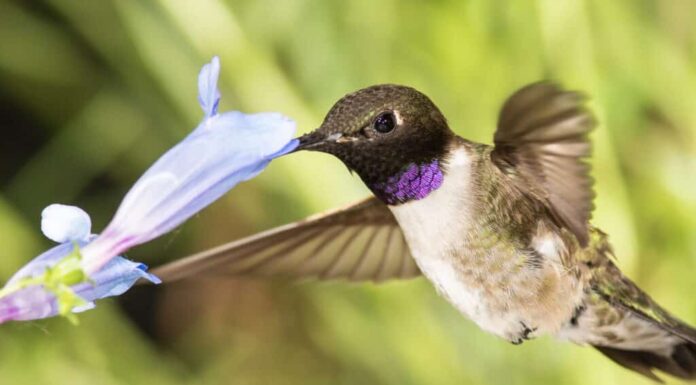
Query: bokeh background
(92, 92)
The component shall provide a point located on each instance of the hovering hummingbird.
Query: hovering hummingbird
(501, 231)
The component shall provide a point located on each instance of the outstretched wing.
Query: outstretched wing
(541, 141)
(361, 242)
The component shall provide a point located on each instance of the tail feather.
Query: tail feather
(641, 343)
(680, 363)
(626, 325)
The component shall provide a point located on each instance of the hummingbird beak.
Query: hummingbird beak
(315, 140)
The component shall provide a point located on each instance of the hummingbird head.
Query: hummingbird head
(392, 136)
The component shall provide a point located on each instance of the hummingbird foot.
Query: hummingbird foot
(524, 335)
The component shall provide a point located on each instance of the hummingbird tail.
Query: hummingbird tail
(681, 362)
(625, 324)
(634, 331)
(630, 328)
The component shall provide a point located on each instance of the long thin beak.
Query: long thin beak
(314, 140)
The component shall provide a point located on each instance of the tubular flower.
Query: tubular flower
(225, 149)
(54, 282)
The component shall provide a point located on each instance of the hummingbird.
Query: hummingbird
(501, 231)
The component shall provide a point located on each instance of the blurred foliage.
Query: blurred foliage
(91, 92)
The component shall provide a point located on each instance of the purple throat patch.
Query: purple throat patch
(414, 182)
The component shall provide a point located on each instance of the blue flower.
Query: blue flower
(34, 301)
(28, 295)
(224, 149)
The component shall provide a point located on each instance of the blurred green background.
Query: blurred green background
(91, 92)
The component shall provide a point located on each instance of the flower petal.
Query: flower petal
(34, 302)
(290, 147)
(208, 94)
(115, 278)
(48, 258)
(223, 151)
(62, 223)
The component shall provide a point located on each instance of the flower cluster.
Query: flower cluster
(225, 149)
(54, 282)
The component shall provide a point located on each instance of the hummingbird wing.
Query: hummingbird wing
(360, 242)
(541, 141)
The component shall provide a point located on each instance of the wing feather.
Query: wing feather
(542, 133)
(361, 242)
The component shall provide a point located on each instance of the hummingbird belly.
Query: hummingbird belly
(513, 303)
(513, 293)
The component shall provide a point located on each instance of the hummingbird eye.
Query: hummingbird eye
(385, 122)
